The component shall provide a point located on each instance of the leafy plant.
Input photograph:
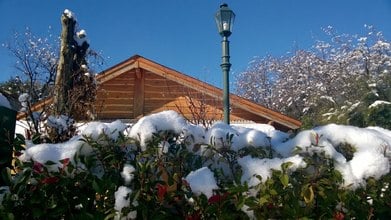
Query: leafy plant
(158, 188)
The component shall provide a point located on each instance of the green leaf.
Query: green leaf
(284, 178)
(273, 192)
(286, 165)
(264, 199)
(240, 203)
(96, 187)
(20, 136)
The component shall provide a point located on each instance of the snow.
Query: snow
(285, 149)
(69, 14)
(219, 135)
(370, 156)
(61, 123)
(363, 139)
(364, 164)
(202, 181)
(96, 130)
(81, 34)
(372, 150)
(43, 153)
(328, 98)
(379, 102)
(362, 39)
(263, 167)
(24, 98)
(127, 173)
(81, 37)
(4, 101)
(122, 198)
(354, 106)
(122, 195)
(144, 129)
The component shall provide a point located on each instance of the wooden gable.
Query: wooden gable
(138, 87)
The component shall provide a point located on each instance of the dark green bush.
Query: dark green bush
(159, 190)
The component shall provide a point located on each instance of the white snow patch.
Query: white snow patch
(263, 167)
(364, 164)
(328, 98)
(379, 102)
(144, 129)
(96, 130)
(24, 97)
(219, 135)
(202, 181)
(363, 139)
(61, 123)
(122, 198)
(81, 37)
(193, 135)
(69, 14)
(372, 147)
(302, 140)
(236, 137)
(354, 106)
(55, 152)
(127, 173)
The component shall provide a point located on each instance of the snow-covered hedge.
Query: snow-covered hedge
(166, 164)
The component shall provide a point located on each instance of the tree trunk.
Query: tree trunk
(64, 79)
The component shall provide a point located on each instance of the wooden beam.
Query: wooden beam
(138, 101)
(118, 71)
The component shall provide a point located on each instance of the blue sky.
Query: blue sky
(182, 35)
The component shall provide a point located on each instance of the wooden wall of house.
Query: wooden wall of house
(115, 97)
(163, 94)
(139, 92)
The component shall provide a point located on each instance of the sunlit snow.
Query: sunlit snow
(202, 181)
(379, 102)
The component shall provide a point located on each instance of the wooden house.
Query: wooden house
(139, 86)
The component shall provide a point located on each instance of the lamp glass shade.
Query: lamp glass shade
(225, 19)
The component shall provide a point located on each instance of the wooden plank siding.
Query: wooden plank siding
(140, 92)
(115, 97)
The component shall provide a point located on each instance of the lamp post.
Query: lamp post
(224, 19)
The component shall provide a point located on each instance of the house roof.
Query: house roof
(138, 61)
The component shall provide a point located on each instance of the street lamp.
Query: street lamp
(224, 19)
